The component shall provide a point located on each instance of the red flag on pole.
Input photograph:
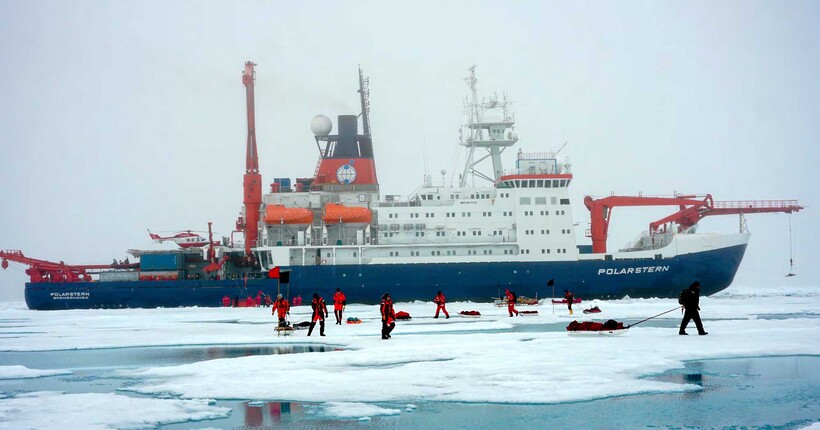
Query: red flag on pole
(273, 273)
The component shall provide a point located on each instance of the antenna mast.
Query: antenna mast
(364, 93)
(494, 133)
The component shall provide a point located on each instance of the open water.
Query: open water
(738, 393)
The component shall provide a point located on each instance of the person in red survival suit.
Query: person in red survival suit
(511, 298)
(388, 316)
(339, 303)
(319, 314)
(226, 301)
(281, 307)
(440, 300)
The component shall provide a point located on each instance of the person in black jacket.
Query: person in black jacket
(690, 300)
(569, 297)
(319, 314)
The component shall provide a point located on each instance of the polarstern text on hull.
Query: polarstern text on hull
(486, 229)
(633, 270)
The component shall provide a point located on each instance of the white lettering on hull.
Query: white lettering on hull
(79, 295)
(633, 270)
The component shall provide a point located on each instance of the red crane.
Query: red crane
(252, 183)
(49, 271)
(691, 211)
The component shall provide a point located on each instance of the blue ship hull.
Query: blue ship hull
(479, 282)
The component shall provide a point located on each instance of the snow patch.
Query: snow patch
(23, 372)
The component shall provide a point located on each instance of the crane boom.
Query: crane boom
(691, 211)
(49, 271)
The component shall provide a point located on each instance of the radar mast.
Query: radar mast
(491, 126)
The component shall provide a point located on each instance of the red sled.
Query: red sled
(590, 328)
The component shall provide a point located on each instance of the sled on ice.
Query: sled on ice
(590, 328)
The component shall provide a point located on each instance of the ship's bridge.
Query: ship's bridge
(534, 181)
(536, 170)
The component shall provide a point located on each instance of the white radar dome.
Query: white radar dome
(321, 125)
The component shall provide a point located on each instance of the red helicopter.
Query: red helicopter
(185, 239)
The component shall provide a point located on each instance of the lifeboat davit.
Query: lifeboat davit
(279, 214)
(335, 213)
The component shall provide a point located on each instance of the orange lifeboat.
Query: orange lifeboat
(336, 214)
(279, 214)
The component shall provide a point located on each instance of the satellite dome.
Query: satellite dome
(321, 125)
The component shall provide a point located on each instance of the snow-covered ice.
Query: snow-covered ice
(23, 372)
(43, 410)
(494, 358)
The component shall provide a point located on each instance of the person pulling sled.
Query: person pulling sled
(689, 298)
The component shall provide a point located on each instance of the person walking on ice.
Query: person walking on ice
(511, 298)
(282, 308)
(569, 298)
(319, 314)
(440, 300)
(339, 303)
(690, 300)
(388, 316)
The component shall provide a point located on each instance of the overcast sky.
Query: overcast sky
(117, 117)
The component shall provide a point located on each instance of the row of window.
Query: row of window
(563, 231)
(460, 233)
(542, 201)
(483, 214)
(475, 252)
(473, 196)
(534, 183)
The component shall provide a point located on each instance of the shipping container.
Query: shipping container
(284, 183)
(151, 262)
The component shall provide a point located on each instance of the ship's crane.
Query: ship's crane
(252, 182)
(691, 211)
(49, 271)
(213, 265)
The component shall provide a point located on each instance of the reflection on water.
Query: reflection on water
(773, 392)
(257, 415)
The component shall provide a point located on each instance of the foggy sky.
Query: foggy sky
(118, 117)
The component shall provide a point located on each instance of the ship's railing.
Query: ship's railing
(536, 156)
(647, 241)
(342, 187)
(756, 204)
(536, 171)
